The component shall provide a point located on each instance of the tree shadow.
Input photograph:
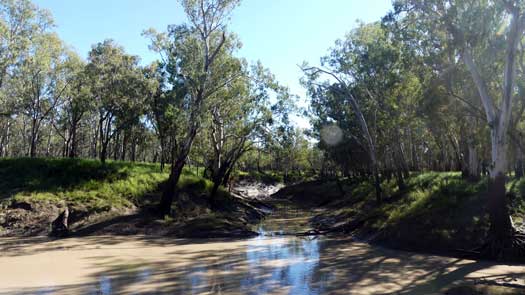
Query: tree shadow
(154, 265)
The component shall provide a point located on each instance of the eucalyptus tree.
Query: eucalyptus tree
(229, 129)
(388, 89)
(20, 23)
(76, 104)
(196, 54)
(165, 106)
(486, 37)
(340, 83)
(118, 89)
(241, 116)
(41, 81)
(449, 106)
(289, 148)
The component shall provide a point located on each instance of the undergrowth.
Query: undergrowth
(89, 183)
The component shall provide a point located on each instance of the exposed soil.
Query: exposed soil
(30, 218)
(269, 264)
(193, 218)
(442, 226)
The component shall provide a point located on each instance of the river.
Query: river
(273, 263)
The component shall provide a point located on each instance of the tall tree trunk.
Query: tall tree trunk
(124, 144)
(73, 141)
(501, 229)
(162, 153)
(34, 134)
(259, 160)
(103, 143)
(401, 158)
(170, 192)
(400, 174)
(377, 185)
(116, 146)
(133, 149)
(103, 153)
(519, 166)
(473, 162)
(94, 142)
(500, 224)
(4, 151)
(48, 146)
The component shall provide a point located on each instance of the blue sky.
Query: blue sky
(279, 33)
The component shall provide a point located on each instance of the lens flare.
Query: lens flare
(331, 135)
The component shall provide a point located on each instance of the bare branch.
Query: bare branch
(486, 100)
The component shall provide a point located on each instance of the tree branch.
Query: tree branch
(486, 100)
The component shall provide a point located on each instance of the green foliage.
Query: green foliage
(437, 210)
(88, 183)
(21, 22)
(118, 87)
(79, 182)
(97, 187)
(431, 195)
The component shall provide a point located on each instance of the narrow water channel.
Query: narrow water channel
(276, 262)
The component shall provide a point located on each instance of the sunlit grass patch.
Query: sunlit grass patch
(80, 182)
(434, 210)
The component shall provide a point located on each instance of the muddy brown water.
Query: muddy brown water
(273, 263)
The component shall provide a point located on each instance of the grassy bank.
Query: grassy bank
(78, 182)
(436, 211)
(34, 191)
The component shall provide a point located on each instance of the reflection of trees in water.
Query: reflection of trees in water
(263, 265)
(287, 263)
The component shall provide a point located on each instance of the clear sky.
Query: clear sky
(279, 33)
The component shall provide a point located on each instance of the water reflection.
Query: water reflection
(265, 264)
(276, 262)
(292, 263)
(104, 286)
(271, 262)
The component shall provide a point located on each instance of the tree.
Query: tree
(76, 103)
(21, 22)
(475, 29)
(118, 88)
(41, 82)
(343, 89)
(197, 55)
(166, 106)
(240, 117)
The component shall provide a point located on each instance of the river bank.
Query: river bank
(263, 238)
(435, 212)
(119, 198)
(268, 264)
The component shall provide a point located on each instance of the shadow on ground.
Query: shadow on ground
(289, 265)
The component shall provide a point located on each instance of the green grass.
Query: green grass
(430, 193)
(437, 210)
(87, 183)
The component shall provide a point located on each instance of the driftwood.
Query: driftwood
(312, 232)
(60, 226)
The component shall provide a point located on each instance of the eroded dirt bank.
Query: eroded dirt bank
(277, 261)
(268, 264)
(193, 217)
